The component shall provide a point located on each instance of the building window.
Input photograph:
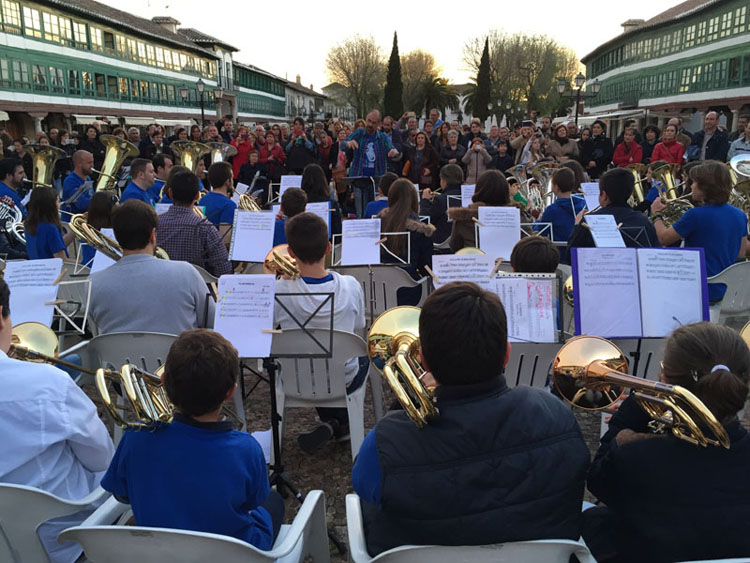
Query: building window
(4, 73)
(32, 22)
(57, 79)
(151, 55)
(689, 36)
(720, 78)
(11, 16)
(124, 88)
(713, 29)
(142, 51)
(656, 46)
(122, 45)
(726, 24)
(171, 93)
(74, 83)
(183, 62)
(51, 27)
(88, 83)
(132, 49)
(746, 70)
(734, 72)
(96, 39)
(101, 85)
(685, 80)
(21, 74)
(134, 88)
(66, 31)
(739, 20)
(163, 92)
(160, 57)
(676, 40)
(701, 33)
(666, 44)
(144, 90)
(40, 77)
(154, 92)
(80, 35)
(167, 57)
(109, 43)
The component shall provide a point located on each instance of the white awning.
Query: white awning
(4, 116)
(138, 120)
(149, 120)
(89, 119)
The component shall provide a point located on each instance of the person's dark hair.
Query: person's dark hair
(100, 210)
(653, 128)
(8, 167)
(42, 208)
(178, 131)
(133, 223)
(492, 189)
(159, 161)
(463, 333)
(687, 185)
(4, 298)
(657, 164)
(601, 124)
(617, 184)
(586, 129)
(386, 181)
(176, 169)
(690, 356)
(536, 255)
(138, 165)
(315, 183)
(578, 171)
(299, 120)
(307, 236)
(185, 187)
(293, 202)
(202, 367)
(453, 174)
(402, 204)
(94, 128)
(219, 173)
(564, 179)
(713, 180)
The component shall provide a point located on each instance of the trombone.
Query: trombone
(591, 373)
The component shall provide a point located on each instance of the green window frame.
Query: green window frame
(32, 22)
(57, 79)
(11, 16)
(21, 74)
(51, 27)
(5, 80)
(74, 82)
(80, 34)
(95, 35)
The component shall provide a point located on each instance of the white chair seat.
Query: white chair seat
(735, 306)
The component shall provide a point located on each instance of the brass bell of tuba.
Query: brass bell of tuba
(638, 170)
(117, 151)
(43, 158)
(393, 347)
(189, 153)
(591, 373)
(542, 172)
(220, 152)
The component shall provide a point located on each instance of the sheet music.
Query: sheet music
(591, 194)
(289, 181)
(671, 289)
(604, 231)
(101, 261)
(162, 208)
(323, 210)
(244, 310)
(241, 188)
(31, 286)
(530, 305)
(607, 292)
(499, 230)
(359, 242)
(252, 235)
(475, 268)
(467, 192)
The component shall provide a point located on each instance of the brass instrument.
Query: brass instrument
(117, 150)
(518, 173)
(11, 219)
(676, 206)
(470, 250)
(101, 242)
(568, 291)
(220, 152)
(248, 203)
(745, 333)
(43, 159)
(739, 168)
(638, 170)
(542, 197)
(279, 262)
(189, 153)
(591, 373)
(393, 347)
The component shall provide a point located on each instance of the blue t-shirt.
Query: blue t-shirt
(718, 230)
(652, 194)
(219, 208)
(70, 186)
(87, 255)
(165, 199)
(11, 193)
(132, 191)
(45, 242)
(375, 207)
(196, 476)
(155, 190)
(562, 214)
(368, 148)
(279, 234)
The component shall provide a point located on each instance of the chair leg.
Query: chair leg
(355, 409)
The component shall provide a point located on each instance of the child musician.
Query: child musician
(197, 473)
(562, 212)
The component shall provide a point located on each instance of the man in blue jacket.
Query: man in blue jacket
(496, 465)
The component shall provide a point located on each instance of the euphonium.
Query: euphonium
(676, 206)
(43, 159)
(393, 347)
(248, 203)
(117, 150)
(189, 153)
(518, 172)
(220, 152)
(638, 170)
(591, 373)
(11, 218)
(279, 262)
(101, 242)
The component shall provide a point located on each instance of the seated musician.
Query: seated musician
(562, 212)
(44, 238)
(162, 165)
(98, 216)
(535, 255)
(142, 178)
(51, 436)
(451, 178)
(254, 174)
(381, 200)
(167, 191)
(293, 202)
(11, 179)
(210, 478)
(716, 226)
(219, 207)
(143, 293)
(185, 236)
(83, 163)
(667, 499)
(615, 188)
(496, 465)
(308, 245)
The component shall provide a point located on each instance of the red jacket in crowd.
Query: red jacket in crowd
(243, 150)
(633, 156)
(669, 151)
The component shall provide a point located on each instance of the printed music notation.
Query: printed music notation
(359, 242)
(475, 268)
(604, 231)
(27, 273)
(467, 193)
(252, 235)
(530, 306)
(289, 181)
(499, 230)
(32, 286)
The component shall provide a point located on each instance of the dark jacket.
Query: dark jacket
(446, 154)
(497, 465)
(247, 174)
(437, 211)
(398, 144)
(716, 149)
(647, 149)
(502, 163)
(599, 150)
(415, 172)
(668, 500)
(95, 147)
(463, 233)
(637, 230)
(298, 155)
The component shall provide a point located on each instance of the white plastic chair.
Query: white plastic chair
(23, 509)
(320, 382)
(305, 537)
(530, 363)
(736, 302)
(538, 551)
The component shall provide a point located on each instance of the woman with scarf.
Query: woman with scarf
(628, 152)
(596, 151)
(561, 147)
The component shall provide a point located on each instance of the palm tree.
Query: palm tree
(437, 93)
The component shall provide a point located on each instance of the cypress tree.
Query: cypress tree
(482, 96)
(393, 96)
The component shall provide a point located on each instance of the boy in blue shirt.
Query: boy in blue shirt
(219, 207)
(293, 202)
(381, 202)
(562, 212)
(196, 473)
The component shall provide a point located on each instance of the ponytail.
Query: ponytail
(723, 392)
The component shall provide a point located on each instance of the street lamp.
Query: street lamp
(200, 85)
(218, 95)
(579, 81)
(184, 92)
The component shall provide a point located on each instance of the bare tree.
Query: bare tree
(359, 66)
(417, 68)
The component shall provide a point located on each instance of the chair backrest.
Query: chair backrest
(147, 350)
(539, 551)
(362, 275)
(530, 363)
(737, 297)
(315, 378)
(22, 510)
(387, 280)
(207, 278)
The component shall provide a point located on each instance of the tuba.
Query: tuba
(638, 170)
(543, 172)
(393, 347)
(220, 152)
(189, 153)
(518, 173)
(279, 262)
(43, 159)
(591, 373)
(117, 150)
(676, 206)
